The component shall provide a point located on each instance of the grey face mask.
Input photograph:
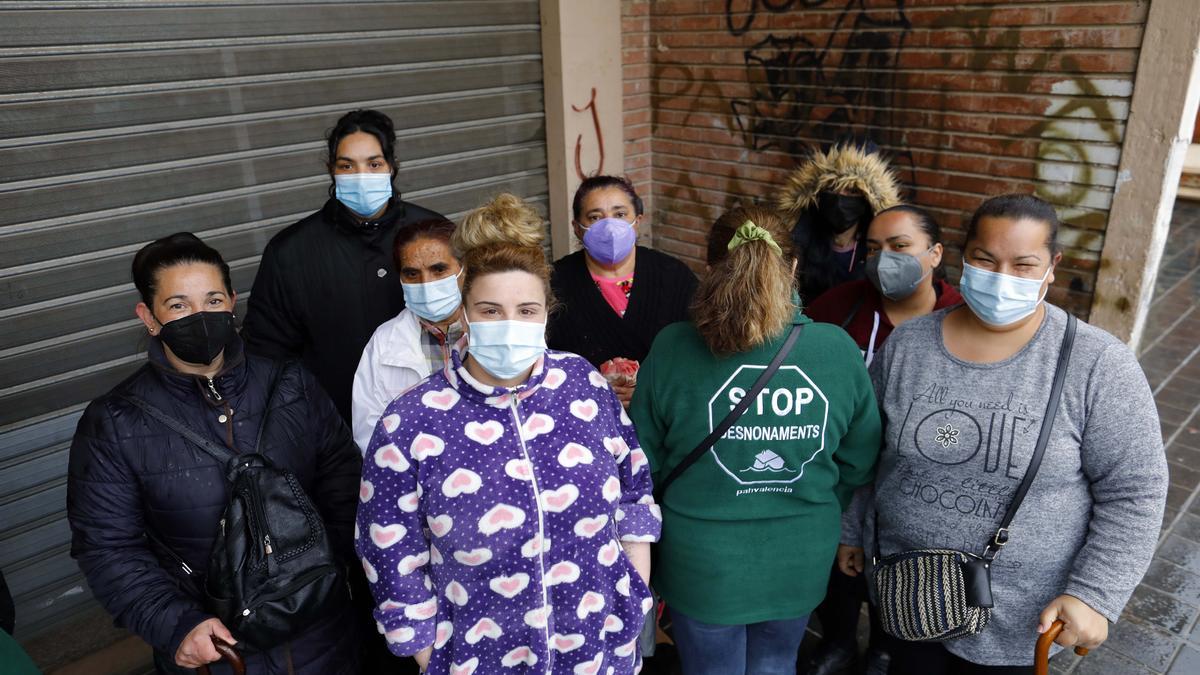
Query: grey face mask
(896, 275)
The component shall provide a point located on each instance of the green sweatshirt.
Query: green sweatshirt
(750, 530)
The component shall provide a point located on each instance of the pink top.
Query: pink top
(615, 291)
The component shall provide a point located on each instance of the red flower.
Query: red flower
(620, 371)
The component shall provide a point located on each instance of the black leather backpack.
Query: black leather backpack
(272, 571)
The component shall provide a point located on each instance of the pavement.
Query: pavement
(1159, 631)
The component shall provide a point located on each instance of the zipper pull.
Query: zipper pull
(267, 544)
(213, 388)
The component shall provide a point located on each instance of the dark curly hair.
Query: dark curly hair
(370, 122)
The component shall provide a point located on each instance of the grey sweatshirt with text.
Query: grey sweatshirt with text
(958, 437)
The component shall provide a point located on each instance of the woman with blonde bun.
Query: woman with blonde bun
(506, 219)
(506, 513)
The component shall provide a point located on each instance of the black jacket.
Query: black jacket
(323, 287)
(820, 268)
(586, 324)
(129, 474)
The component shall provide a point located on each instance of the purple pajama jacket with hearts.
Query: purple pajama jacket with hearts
(490, 523)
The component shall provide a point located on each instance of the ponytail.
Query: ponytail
(746, 299)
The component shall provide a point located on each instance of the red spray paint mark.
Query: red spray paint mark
(599, 138)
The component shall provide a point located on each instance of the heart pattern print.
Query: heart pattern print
(528, 493)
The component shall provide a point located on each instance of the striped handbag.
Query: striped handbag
(933, 594)
(942, 594)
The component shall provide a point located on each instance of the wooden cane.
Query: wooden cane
(1041, 654)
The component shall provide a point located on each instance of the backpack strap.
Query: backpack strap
(278, 368)
(733, 415)
(221, 454)
(1039, 451)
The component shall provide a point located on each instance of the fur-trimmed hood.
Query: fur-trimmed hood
(842, 167)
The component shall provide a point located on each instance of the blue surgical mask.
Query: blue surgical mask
(363, 193)
(1000, 299)
(506, 348)
(434, 300)
(609, 240)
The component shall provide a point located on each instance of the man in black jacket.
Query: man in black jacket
(326, 283)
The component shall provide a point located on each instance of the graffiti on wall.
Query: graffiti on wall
(819, 85)
(821, 89)
(1079, 150)
(1079, 133)
(804, 89)
(740, 16)
(599, 139)
(824, 87)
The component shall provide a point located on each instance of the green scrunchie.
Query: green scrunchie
(751, 232)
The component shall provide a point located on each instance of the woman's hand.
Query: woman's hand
(197, 648)
(624, 393)
(422, 658)
(1082, 625)
(851, 559)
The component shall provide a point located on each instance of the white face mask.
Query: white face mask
(434, 300)
(506, 348)
(1000, 299)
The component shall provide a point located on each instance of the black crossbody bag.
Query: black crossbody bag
(272, 571)
(942, 594)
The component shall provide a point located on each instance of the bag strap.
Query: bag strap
(217, 452)
(854, 311)
(733, 414)
(278, 368)
(222, 455)
(1064, 356)
(178, 559)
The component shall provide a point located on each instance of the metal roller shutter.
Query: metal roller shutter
(123, 121)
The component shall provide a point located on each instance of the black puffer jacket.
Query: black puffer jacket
(130, 474)
(323, 287)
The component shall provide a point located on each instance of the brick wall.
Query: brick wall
(970, 98)
(636, 62)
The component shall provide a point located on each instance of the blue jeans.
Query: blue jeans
(766, 648)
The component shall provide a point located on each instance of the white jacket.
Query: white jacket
(392, 362)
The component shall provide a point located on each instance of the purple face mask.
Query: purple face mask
(609, 240)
